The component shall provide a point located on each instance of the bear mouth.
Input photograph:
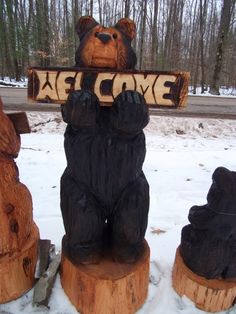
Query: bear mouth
(103, 62)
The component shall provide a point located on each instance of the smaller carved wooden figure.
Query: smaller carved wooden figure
(205, 262)
(208, 244)
(18, 233)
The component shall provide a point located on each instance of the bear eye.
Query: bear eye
(96, 34)
(114, 35)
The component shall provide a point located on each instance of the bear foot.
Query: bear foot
(128, 254)
(79, 254)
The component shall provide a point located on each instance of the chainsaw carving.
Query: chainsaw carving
(18, 233)
(208, 244)
(104, 193)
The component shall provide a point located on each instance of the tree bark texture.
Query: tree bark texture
(226, 12)
(34, 33)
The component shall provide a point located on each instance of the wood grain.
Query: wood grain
(20, 122)
(18, 233)
(160, 89)
(17, 269)
(9, 140)
(208, 295)
(107, 287)
(15, 208)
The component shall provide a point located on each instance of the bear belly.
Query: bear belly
(104, 162)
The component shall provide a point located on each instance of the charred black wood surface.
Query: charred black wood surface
(104, 193)
(208, 243)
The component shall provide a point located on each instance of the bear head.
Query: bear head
(221, 200)
(9, 140)
(102, 47)
(222, 194)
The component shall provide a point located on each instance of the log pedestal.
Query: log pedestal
(107, 287)
(209, 295)
(17, 270)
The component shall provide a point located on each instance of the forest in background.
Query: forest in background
(198, 36)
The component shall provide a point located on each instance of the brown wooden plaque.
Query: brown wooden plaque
(52, 85)
(20, 122)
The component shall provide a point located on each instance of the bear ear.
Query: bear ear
(224, 179)
(85, 24)
(127, 26)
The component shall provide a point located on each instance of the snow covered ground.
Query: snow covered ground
(181, 157)
(7, 82)
(224, 91)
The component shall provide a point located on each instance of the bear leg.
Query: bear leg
(204, 253)
(129, 222)
(83, 223)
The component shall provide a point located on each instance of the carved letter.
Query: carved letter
(122, 82)
(160, 89)
(97, 90)
(63, 87)
(144, 85)
(47, 85)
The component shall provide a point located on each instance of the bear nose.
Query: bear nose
(104, 37)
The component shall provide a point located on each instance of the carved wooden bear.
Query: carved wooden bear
(16, 218)
(104, 193)
(19, 235)
(208, 244)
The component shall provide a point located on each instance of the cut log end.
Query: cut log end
(208, 295)
(108, 287)
(17, 270)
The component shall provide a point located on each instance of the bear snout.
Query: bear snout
(104, 37)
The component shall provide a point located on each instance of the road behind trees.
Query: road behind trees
(198, 106)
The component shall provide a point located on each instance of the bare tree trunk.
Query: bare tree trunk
(100, 11)
(46, 41)
(142, 34)
(127, 8)
(43, 32)
(195, 73)
(154, 36)
(12, 20)
(193, 43)
(91, 7)
(4, 42)
(203, 11)
(226, 12)
(167, 37)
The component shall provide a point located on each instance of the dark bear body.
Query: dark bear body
(208, 244)
(104, 193)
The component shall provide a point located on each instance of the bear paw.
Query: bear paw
(81, 109)
(129, 112)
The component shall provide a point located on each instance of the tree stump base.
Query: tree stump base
(107, 287)
(211, 295)
(17, 270)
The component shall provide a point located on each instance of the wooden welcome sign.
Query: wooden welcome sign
(52, 85)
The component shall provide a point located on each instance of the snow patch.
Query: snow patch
(181, 157)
